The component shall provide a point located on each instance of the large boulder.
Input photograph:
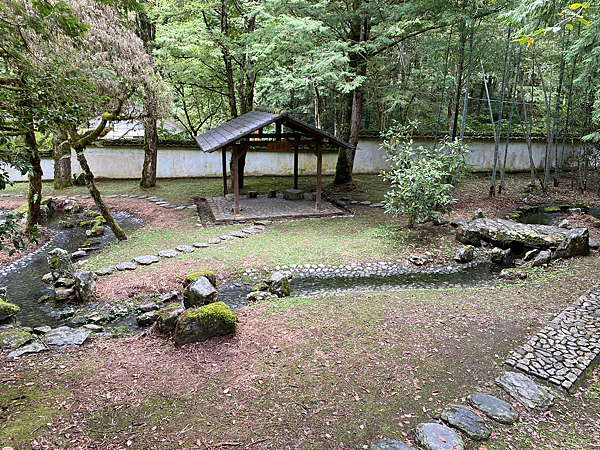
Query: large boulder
(279, 284)
(85, 286)
(576, 243)
(203, 323)
(200, 292)
(465, 254)
(167, 317)
(60, 264)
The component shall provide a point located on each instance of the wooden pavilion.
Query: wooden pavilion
(247, 131)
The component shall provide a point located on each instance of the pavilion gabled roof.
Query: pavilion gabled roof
(243, 126)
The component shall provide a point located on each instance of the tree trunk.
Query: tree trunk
(150, 153)
(62, 161)
(34, 197)
(356, 119)
(93, 190)
(463, 40)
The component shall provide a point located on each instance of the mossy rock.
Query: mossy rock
(91, 214)
(46, 201)
(260, 287)
(167, 317)
(581, 204)
(551, 209)
(7, 310)
(85, 223)
(98, 230)
(204, 273)
(203, 323)
(14, 338)
(66, 224)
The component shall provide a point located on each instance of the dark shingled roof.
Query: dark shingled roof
(242, 126)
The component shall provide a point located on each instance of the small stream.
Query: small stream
(25, 286)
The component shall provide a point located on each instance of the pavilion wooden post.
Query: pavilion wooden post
(319, 170)
(224, 162)
(296, 167)
(236, 182)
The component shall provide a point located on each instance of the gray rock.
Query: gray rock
(494, 408)
(498, 256)
(478, 214)
(238, 234)
(93, 327)
(279, 284)
(126, 266)
(433, 436)
(466, 421)
(576, 243)
(167, 253)
(104, 271)
(214, 241)
(200, 324)
(63, 295)
(14, 338)
(167, 317)
(42, 330)
(465, 254)
(60, 264)
(200, 244)
(565, 224)
(64, 337)
(542, 259)
(531, 254)
(201, 292)
(525, 391)
(390, 444)
(146, 260)
(85, 285)
(513, 274)
(293, 194)
(148, 307)
(185, 248)
(593, 244)
(35, 347)
(418, 260)
(147, 318)
(78, 254)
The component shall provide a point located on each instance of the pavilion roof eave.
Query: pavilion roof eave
(243, 126)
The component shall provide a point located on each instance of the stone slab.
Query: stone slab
(185, 248)
(494, 408)
(146, 260)
(526, 391)
(433, 436)
(466, 421)
(168, 253)
(126, 266)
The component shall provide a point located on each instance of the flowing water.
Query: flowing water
(25, 285)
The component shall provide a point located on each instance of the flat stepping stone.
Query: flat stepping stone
(102, 271)
(142, 196)
(250, 231)
(64, 337)
(390, 444)
(192, 207)
(258, 227)
(466, 421)
(35, 347)
(126, 266)
(214, 241)
(161, 203)
(185, 248)
(167, 253)
(353, 202)
(180, 208)
(376, 205)
(200, 244)
(494, 408)
(525, 391)
(93, 327)
(225, 237)
(365, 203)
(264, 223)
(146, 260)
(238, 234)
(433, 436)
(108, 196)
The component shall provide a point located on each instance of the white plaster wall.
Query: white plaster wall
(125, 162)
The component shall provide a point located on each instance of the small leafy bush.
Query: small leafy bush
(422, 179)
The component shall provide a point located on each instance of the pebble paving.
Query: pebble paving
(563, 350)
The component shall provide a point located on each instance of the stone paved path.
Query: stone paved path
(563, 350)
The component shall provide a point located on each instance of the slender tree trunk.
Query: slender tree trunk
(467, 86)
(34, 198)
(510, 118)
(93, 190)
(446, 60)
(548, 128)
(526, 125)
(463, 40)
(61, 154)
(487, 95)
(148, 179)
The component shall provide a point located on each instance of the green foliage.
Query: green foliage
(342, 168)
(422, 179)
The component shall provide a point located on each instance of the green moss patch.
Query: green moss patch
(8, 309)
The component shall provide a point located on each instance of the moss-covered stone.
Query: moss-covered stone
(14, 338)
(85, 223)
(46, 201)
(551, 209)
(260, 287)
(7, 310)
(97, 230)
(203, 273)
(167, 317)
(66, 224)
(581, 204)
(200, 324)
(91, 214)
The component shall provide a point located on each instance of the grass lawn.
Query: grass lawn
(337, 371)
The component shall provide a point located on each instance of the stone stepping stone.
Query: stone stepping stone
(161, 203)
(214, 241)
(126, 266)
(376, 205)
(365, 203)
(390, 444)
(525, 391)
(258, 227)
(142, 196)
(35, 347)
(238, 234)
(225, 237)
(124, 195)
(104, 271)
(93, 327)
(179, 208)
(264, 223)
(108, 196)
(146, 260)
(154, 199)
(250, 231)
(5, 195)
(64, 337)
(353, 202)
(466, 421)
(494, 408)
(133, 196)
(192, 207)
(167, 253)
(433, 436)
(185, 248)
(200, 244)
